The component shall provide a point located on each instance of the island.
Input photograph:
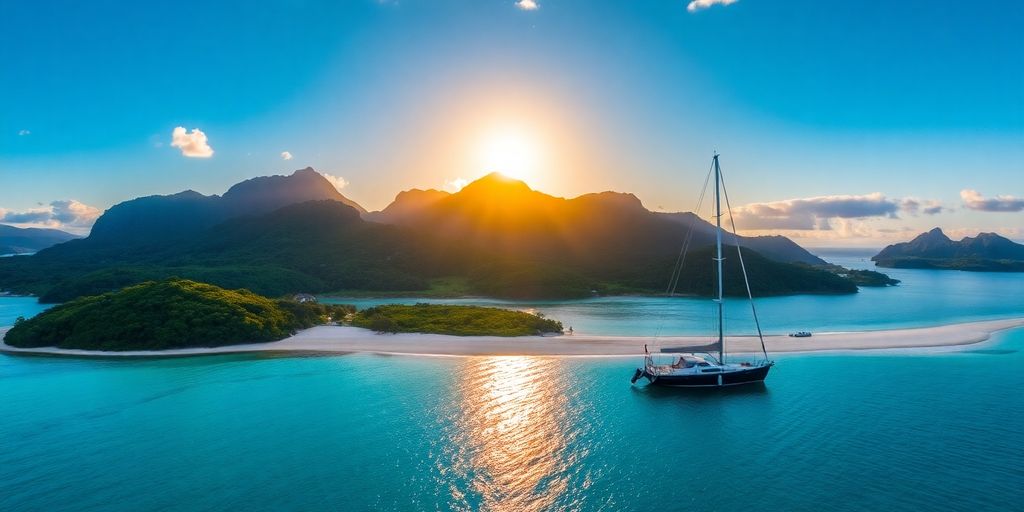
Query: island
(860, 277)
(987, 252)
(169, 314)
(454, 320)
(495, 237)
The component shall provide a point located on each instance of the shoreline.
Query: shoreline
(344, 340)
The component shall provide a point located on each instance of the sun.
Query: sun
(511, 152)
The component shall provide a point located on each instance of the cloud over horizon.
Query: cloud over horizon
(527, 5)
(973, 200)
(192, 144)
(914, 206)
(697, 5)
(814, 212)
(286, 155)
(455, 185)
(68, 214)
(823, 212)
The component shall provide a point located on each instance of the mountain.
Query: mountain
(159, 218)
(407, 204)
(268, 193)
(495, 237)
(28, 240)
(985, 252)
(315, 246)
(500, 212)
(776, 247)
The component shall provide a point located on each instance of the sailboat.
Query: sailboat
(697, 370)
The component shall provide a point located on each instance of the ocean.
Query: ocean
(923, 298)
(896, 430)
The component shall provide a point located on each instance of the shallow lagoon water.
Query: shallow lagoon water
(903, 431)
(923, 298)
(13, 307)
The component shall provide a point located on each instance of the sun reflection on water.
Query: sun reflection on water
(512, 435)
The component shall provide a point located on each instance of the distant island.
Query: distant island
(987, 252)
(454, 320)
(860, 277)
(30, 240)
(496, 237)
(169, 314)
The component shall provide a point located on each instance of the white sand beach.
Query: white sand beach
(334, 339)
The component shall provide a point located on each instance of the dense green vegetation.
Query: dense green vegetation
(767, 277)
(454, 320)
(449, 287)
(861, 277)
(966, 264)
(310, 247)
(268, 281)
(168, 314)
(531, 280)
(869, 278)
(324, 246)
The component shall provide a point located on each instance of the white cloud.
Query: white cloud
(74, 213)
(814, 212)
(914, 206)
(338, 182)
(455, 185)
(23, 133)
(529, 5)
(192, 144)
(851, 233)
(67, 214)
(839, 220)
(697, 5)
(38, 216)
(285, 155)
(975, 201)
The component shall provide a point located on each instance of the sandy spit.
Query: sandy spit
(335, 339)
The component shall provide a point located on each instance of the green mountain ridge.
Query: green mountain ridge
(498, 236)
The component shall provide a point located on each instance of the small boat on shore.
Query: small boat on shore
(691, 370)
(800, 334)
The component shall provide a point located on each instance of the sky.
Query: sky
(839, 123)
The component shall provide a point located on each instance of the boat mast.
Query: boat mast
(718, 258)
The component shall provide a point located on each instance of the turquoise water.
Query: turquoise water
(364, 432)
(13, 307)
(881, 431)
(925, 297)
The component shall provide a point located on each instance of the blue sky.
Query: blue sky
(833, 118)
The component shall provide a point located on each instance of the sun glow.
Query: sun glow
(514, 433)
(510, 152)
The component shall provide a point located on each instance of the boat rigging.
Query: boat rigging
(705, 370)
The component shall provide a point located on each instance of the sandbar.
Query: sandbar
(343, 339)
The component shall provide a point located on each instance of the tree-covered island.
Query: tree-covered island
(454, 320)
(169, 314)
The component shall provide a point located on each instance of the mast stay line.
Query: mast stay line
(739, 252)
(718, 260)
